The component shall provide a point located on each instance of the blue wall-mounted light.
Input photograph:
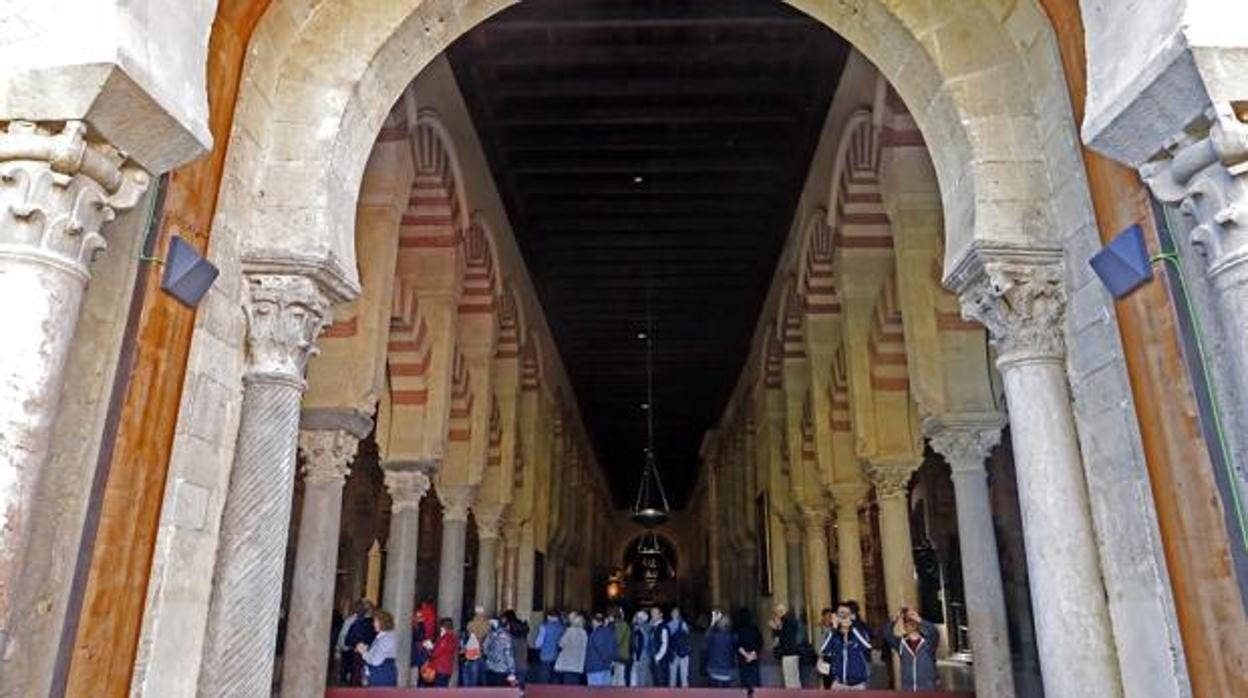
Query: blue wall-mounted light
(188, 276)
(1124, 265)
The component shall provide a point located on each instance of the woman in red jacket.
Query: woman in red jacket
(442, 656)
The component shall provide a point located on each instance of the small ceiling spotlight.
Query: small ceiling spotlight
(638, 179)
(642, 335)
(645, 405)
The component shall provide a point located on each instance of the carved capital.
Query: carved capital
(965, 441)
(1208, 180)
(456, 500)
(849, 496)
(285, 313)
(57, 190)
(489, 518)
(406, 488)
(815, 518)
(792, 530)
(1019, 295)
(891, 479)
(327, 455)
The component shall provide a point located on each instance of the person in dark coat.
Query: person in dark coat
(361, 632)
(661, 641)
(600, 655)
(915, 641)
(420, 652)
(721, 650)
(749, 649)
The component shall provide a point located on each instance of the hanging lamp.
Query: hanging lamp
(651, 508)
(648, 544)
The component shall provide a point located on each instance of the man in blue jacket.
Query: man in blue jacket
(547, 644)
(846, 651)
(600, 655)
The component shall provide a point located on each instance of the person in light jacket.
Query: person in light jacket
(915, 641)
(641, 651)
(378, 657)
(601, 653)
(570, 666)
(546, 643)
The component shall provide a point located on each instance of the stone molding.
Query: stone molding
(57, 190)
(891, 479)
(792, 531)
(406, 488)
(456, 500)
(285, 313)
(346, 419)
(1018, 293)
(327, 455)
(1208, 180)
(965, 441)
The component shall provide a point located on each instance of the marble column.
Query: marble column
(511, 565)
(1020, 298)
(327, 455)
(407, 482)
(966, 444)
(487, 518)
(796, 570)
(455, 503)
(818, 580)
(57, 191)
(285, 313)
(851, 581)
(892, 489)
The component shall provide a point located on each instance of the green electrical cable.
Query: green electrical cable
(1174, 259)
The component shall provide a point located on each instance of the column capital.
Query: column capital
(57, 189)
(1208, 180)
(891, 477)
(815, 517)
(489, 519)
(327, 454)
(456, 500)
(1017, 293)
(850, 496)
(285, 313)
(965, 441)
(406, 488)
(792, 529)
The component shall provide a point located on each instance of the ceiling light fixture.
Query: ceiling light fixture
(651, 508)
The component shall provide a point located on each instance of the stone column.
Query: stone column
(407, 484)
(892, 489)
(487, 557)
(57, 190)
(327, 455)
(966, 444)
(1021, 300)
(285, 312)
(796, 570)
(818, 581)
(455, 503)
(511, 566)
(849, 497)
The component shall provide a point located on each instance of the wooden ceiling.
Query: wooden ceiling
(650, 154)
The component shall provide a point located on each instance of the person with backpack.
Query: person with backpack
(678, 630)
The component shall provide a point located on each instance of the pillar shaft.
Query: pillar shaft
(327, 455)
(966, 449)
(818, 580)
(407, 486)
(796, 570)
(511, 570)
(455, 503)
(1022, 303)
(56, 192)
(851, 579)
(284, 315)
(487, 554)
(892, 490)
